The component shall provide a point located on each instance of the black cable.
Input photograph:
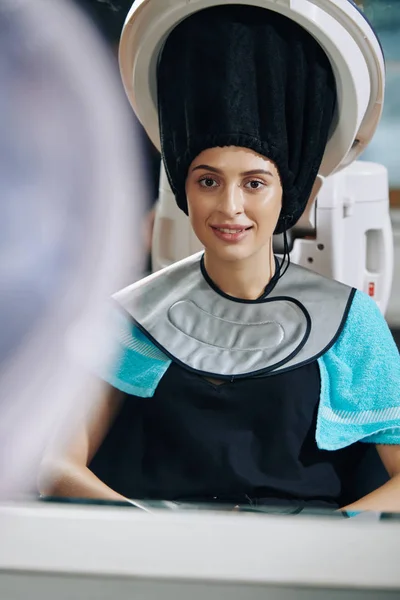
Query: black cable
(286, 256)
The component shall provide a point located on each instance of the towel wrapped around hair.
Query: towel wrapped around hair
(248, 77)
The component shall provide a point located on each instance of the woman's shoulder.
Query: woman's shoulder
(364, 348)
(360, 381)
(365, 330)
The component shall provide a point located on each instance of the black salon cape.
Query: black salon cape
(253, 440)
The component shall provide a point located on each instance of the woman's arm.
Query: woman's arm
(387, 497)
(65, 472)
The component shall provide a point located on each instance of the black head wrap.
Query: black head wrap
(246, 76)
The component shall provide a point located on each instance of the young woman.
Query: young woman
(241, 378)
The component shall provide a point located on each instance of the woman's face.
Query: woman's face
(234, 198)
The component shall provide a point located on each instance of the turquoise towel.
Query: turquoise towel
(139, 365)
(360, 377)
(360, 382)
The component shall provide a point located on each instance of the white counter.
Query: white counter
(97, 552)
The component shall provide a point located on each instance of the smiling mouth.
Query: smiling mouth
(231, 231)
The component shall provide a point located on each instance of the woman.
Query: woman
(242, 379)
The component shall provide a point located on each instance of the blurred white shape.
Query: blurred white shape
(70, 186)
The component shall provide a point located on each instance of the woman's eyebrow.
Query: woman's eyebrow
(207, 168)
(257, 172)
(243, 174)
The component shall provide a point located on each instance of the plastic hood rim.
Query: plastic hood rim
(346, 36)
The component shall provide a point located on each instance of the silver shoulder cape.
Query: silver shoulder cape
(215, 335)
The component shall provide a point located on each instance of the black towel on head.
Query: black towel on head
(246, 76)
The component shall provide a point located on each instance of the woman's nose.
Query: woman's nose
(231, 201)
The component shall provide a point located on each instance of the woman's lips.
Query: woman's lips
(230, 233)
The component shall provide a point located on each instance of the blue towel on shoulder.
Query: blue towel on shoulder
(360, 382)
(140, 365)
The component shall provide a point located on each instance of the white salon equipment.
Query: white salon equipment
(346, 233)
(351, 236)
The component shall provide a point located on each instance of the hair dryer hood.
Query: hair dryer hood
(341, 29)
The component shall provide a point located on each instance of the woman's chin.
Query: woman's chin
(228, 253)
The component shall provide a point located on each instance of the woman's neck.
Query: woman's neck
(245, 279)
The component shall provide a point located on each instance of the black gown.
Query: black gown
(251, 441)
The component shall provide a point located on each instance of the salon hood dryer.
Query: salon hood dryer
(345, 232)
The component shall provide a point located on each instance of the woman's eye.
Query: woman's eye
(208, 182)
(254, 184)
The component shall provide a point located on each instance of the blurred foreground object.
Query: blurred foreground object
(69, 181)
